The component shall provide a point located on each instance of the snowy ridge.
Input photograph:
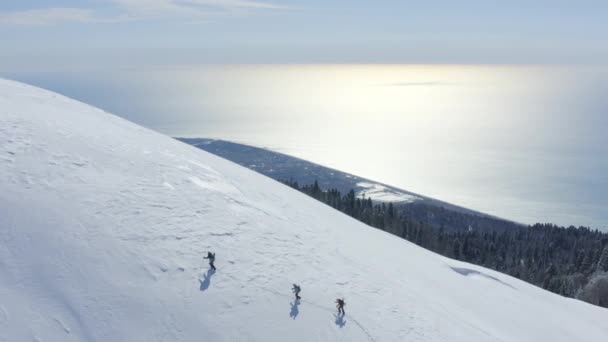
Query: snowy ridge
(103, 226)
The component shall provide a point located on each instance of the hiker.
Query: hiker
(340, 305)
(211, 257)
(296, 290)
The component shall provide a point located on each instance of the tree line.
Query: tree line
(570, 261)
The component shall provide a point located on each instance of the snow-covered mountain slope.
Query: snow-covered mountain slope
(103, 226)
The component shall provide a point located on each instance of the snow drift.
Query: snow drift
(103, 226)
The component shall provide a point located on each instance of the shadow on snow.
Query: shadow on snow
(340, 320)
(469, 272)
(294, 309)
(206, 279)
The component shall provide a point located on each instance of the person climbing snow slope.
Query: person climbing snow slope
(340, 305)
(296, 290)
(211, 257)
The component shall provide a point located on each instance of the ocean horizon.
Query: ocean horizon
(525, 143)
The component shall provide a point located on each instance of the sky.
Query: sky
(40, 35)
(506, 90)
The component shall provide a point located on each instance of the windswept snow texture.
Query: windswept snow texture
(103, 226)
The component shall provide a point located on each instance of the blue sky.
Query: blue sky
(55, 34)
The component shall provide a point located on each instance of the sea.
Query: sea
(527, 143)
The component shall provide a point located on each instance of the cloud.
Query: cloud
(225, 3)
(420, 84)
(46, 16)
(133, 10)
(145, 9)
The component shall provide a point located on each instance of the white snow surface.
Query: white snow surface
(103, 226)
(378, 192)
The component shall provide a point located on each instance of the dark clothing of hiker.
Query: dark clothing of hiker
(211, 257)
(340, 305)
(296, 290)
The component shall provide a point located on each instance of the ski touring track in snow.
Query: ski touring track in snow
(206, 276)
(324, 308)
